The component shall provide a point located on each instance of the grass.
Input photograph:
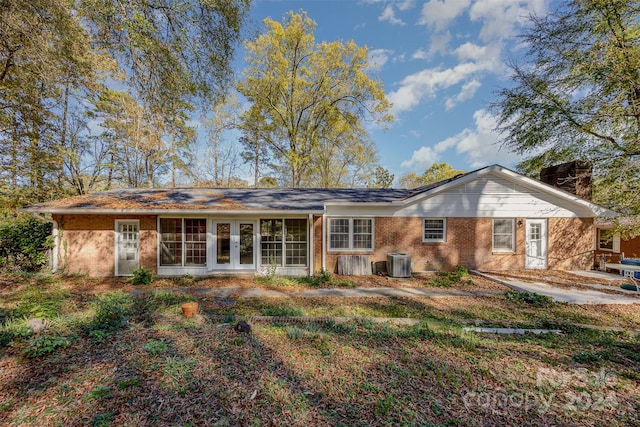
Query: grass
(135, 360)
(321, 279)
(447, 279)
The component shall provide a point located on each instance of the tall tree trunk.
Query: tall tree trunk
(63, 134)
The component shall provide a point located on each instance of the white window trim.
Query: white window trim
(283, 242)
(513, 236)
(615, 244)
(351, 248)
(182, 264)
(444, 230)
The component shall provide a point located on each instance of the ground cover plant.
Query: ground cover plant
(117, 358)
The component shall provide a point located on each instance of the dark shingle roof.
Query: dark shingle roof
(234, 199)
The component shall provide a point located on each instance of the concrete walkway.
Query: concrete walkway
(572, 295)
(238, 292)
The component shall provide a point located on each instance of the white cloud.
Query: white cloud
(406, 5)
(419, 54)
(421, 159)
(467, 92)
(479, 146)
(500, 17)
(426, 83)
(439, 43)
(389, 15)
(438, 14)
(399, 58)
(377, 58)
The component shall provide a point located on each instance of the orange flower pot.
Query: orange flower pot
(189, 309)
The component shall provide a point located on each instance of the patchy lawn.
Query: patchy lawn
(114, 359)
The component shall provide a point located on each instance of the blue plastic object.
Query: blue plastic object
(631, 261)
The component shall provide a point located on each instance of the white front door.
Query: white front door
(536, 243)
(234, 244)
(127, 245)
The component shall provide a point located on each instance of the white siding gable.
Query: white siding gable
(492, 196)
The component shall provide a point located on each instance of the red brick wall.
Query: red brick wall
(571, 243)
(469, 242)
(87, 243)
(631, 247)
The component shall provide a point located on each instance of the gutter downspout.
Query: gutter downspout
(324, 241)
(55, 234)
(311, 246)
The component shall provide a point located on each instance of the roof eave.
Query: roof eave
(171, 211)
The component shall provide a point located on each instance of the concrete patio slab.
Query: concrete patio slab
(571, 295)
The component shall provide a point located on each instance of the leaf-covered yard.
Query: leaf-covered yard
(116, 359)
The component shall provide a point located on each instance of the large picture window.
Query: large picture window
(283, 242)
(183, 241)
(434, 230)
(350, 234)
(503, 235)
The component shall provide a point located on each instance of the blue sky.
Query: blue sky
(440, 61)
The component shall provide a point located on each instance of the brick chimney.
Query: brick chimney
(574, 177)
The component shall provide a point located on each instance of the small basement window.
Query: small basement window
(434, 230)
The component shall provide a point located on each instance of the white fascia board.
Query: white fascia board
(161, 212)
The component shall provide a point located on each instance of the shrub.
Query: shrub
(24, 243)
(318, 279)
(43, 345)
(141, 276)
(449, 278)
(282, 311)
(40, 301)
(113, 309)
(530, 298)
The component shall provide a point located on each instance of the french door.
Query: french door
(234, 245)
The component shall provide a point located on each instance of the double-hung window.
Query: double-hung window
(503, 235)
(608, 240)
(350, 234)
(434, 230)
(283, 242)
(183, 241)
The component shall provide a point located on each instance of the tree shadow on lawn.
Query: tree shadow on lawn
(175, 371)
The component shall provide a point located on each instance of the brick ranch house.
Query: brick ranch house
(488, 219)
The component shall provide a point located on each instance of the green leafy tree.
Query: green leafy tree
(382, 178)
(56, 57)
(439, 172)
(410, 180)
(578, 96)
(24, 243)
(301, 92)
(435, 173)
